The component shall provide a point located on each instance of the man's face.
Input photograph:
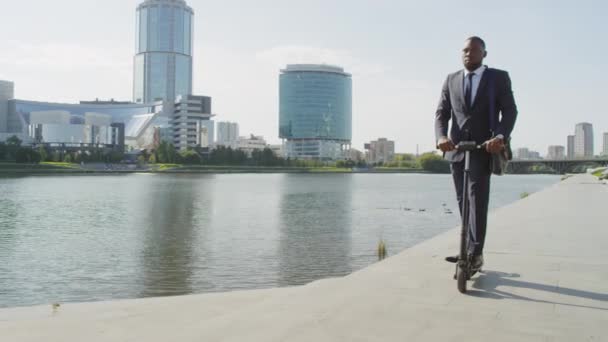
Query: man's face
(473, 54)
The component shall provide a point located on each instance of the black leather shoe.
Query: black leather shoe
(452, 259)
(477, 262)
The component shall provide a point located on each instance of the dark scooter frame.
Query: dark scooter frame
(464, 270)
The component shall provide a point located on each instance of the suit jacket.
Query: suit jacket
(493, 112)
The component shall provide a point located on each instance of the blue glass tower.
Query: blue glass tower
(315, 110)
(163, 60)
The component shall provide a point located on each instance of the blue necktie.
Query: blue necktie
(468, 90)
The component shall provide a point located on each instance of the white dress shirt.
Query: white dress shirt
(477, 73)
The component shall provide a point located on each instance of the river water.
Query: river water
(87, 238)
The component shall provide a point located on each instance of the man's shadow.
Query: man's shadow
(487, 285)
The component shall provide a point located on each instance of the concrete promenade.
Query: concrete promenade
(545, 279)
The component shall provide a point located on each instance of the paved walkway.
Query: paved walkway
(546, 279)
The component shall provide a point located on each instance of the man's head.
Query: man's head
(473, 53)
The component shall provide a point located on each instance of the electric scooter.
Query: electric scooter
(464, 270)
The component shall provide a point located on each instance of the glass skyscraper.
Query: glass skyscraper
(163, 60)
(315, 110)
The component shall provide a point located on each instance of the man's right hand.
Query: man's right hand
(445, 144)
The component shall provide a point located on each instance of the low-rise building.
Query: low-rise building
(251, 143)
(354, 154)
(380, 151)
(88, 124)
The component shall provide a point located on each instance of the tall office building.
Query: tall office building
(315, 111)
(570, 149)
(583, 140)
(605, 143)
(163, 60)
(227, 134)
(7, 92)
(556, 152)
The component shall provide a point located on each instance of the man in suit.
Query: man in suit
(480, 103)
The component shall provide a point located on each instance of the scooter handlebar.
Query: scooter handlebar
(469, 146)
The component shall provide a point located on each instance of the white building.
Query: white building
(227, 134)
(534, 155)
(556, 152)
(521, 153)
(191, 122)
(583, 140)
(354, 154)
(251, 143)
(108, 124)
(605, 149)
(380, 151)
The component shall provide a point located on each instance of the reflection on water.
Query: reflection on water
(87, 238)
(315, 228)
(170, 232)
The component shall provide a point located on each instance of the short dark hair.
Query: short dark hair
(477, 39)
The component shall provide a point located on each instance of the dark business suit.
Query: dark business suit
(493, 112)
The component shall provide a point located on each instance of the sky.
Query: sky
(398, 51)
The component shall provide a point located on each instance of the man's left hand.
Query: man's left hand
(495, 145)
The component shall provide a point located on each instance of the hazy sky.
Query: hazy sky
(399, 53)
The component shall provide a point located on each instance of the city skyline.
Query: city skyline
(398, 66)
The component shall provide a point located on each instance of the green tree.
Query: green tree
(146, 155)
(173, 156)
(115, 156)
(166, 153)
(265, 157)
(3, 151)
(433, 162)
(12, 145)
(77, 157)
(401, 157)
(161, 152)
(56, 157)
(67, 158)
(393, 163)
(43, 153)
(13, 141)
(190, 157)
(26, 155)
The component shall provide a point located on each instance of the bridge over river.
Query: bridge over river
(560, 166)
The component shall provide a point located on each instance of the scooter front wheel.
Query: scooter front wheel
(461, 278)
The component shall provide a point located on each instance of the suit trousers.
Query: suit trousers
(479, 196)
